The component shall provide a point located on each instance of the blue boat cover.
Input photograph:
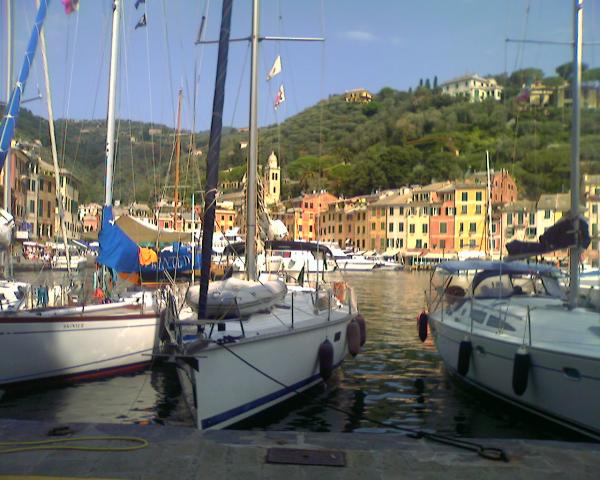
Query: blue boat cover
(117, 250)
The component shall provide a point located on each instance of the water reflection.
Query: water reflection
(396, 379)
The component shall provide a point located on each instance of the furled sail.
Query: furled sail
(9, 121)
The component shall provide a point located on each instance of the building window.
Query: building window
(443, 228)
(401, 210)
(401, 227)
(391, 210)
(531, 218)
(31, 206)
(391, 227)
(425, 227)
(472, 244)
(547, 212)
(442, 243)
(49, 208)
(464, 196)
(463, 210)
(373, 226)
(419, 243)
(509, 218)
(382, 225)
(461, 228)
(472, 227)
(411, 228)
(478, 209)
(478, 196)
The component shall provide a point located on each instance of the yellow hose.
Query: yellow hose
(53, 444)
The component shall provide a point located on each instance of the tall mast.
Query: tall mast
(177, 155)
(489, 203)
(9, 81)
(252, 151)
(212, 161)
(9, 74)
(112, 102)
(574, 252)
(59, 196)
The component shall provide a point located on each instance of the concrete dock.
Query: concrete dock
(184, 453)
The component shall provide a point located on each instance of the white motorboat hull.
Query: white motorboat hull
(76, 343)
(354, 266)
(76, 262)
(560, 386)
(222, 387)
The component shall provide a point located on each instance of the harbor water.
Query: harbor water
(396, 379)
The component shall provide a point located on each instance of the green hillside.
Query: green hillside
(400, 138)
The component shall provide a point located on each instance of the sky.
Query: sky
(374, 44)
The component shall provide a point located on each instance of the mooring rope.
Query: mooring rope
(489, 453)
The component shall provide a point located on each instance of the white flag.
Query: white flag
(280, 97)
(275, 69)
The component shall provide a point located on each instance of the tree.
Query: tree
(420, 82)
(565, 70)
(427, 84)
(435, 82)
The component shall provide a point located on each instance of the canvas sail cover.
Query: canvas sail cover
(560, 236)
(117, 250)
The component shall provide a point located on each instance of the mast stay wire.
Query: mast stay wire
(126, 38)
(69, 90)
(150, 103)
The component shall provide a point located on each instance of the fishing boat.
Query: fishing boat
(509, 329)
(240, 360)
(84, 341)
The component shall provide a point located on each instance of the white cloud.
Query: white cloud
(360, 35)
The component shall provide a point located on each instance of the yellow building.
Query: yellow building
(470, 225)
(417, 237)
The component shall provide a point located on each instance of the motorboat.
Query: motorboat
(505, 328)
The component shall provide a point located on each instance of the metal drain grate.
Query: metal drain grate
(300, 456)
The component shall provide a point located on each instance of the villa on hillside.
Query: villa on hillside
(358, 95)
(473, 87)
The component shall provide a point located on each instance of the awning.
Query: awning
(141, 232)
(391, 252)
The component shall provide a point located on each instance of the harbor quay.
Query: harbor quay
(186, 453)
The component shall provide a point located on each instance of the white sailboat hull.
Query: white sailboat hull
(76, 343)
(561, 386)
(222, 388)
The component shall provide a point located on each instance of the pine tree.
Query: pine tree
(435, 82)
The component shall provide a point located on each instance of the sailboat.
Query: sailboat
(85, 341)
(253, 343)
(508, 329)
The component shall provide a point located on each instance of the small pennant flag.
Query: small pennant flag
(137, 3)
(141, 22)
(280, 97)
(275, 69)
(70, 6)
